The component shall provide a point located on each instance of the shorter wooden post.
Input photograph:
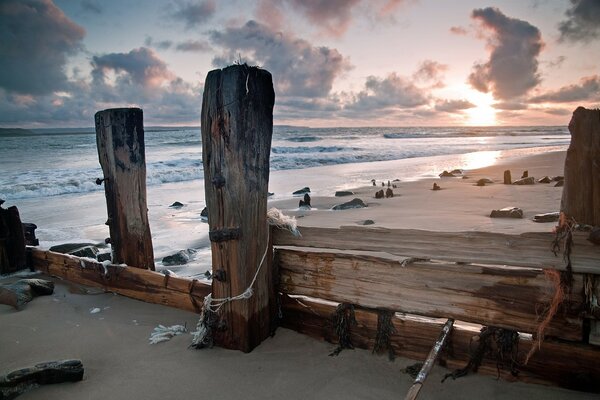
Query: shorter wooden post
(507, 177)
(12, 241)
(120, 141)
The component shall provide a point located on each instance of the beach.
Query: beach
(113, 343)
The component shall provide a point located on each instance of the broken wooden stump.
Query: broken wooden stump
(12, 241)
(23, 291)
(20, 381)
(120, 141)
(507, 177)
(237, 127)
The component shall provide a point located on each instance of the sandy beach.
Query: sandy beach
(120, 363)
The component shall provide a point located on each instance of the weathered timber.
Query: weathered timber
(581, 192)
(136, 283)
(570, 365)
(237, 126)
(512, 298)
(12, 241)
(20, 381)
(527, 250)
(121, 150)
(414, 390)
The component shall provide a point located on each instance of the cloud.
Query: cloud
(333, 16)
(192, 13)
(512, 69)
(556, 63)
(510, 106)
(36, 38)
(458, 30)
(582, 23)
(299, 68)
(587, 89)
(392, 91)
(557, 111)
(453, 106)
(431, 72)
(193, 46)
(162, 45)
(91, 6)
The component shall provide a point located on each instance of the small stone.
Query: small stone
(389, 184)
(456, 172)
(436, 187)
(176, 205)
(180, 258)
(379, 194)
(484, 181)
(342, 193)
(396, 180)
(545, 179)
(389, 193)
(382, 184)
(547, 217)
(525, 174)
(269, 194)
(508, 212)
(560, 184)
(373, 182)
(306, 199)
(354, 203)
(446, 174)
(204, 214)
(394, 186)
(302, 191)
(101, 257)
(530, 180)
(368, 222)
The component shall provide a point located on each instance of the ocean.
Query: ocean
(50, 174)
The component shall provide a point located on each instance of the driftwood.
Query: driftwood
(581, 193)
(20, 381)
(23, 291)
(136, 283)
(525, 250)
(120, 141)
(12, 241)
(237, 126)
(414, 390)
(512, 298)
(570, 365)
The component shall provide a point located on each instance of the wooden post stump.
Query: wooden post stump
(581, 192)
(12, 241)
(237, 126)
(120, 141)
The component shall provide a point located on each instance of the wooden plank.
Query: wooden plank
(570, 365)
(136, 283)
(12, 240)
(527, 250)
(510, 298)
(120, 141)
(237, 126)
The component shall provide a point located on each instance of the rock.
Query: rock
(446, 174)
(382, 184)
(204, 214)
(436, 187)
(530, 180)
(547, 217)
(484, 181)
(456, 172)
(306, 199)
(545, 179)
(29, 231)
(558, 178)
(367, 222)
(180, 258)
(354, 203)
(176, 205)
(379, 194)
(101, 257)
(508, 212)
(342, 193)
(560, 184)
(394, 186)
(269, 194)
(305, 202)
(389, 184)
(302, 191)
(507, 177)
(396, 180)
(525, 174)
(373, 182)
(21, 292)
(594, 236)
(89, 250)
(389, 193)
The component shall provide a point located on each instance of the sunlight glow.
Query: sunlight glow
(483, 114)
(479, 160)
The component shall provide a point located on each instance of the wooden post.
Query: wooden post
(120, 141)
(12, 241)
(581, 192)
(237, 126)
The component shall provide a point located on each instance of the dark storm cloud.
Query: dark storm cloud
(392, 91)
(299, 69)
(512, 69)
(36, 38)
(587, 89)
(583, 21)
(192, 13)
(453, 106)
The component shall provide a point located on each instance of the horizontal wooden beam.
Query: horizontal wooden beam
(570, 365)
(527, 250)
(136, 283)
(513, 298)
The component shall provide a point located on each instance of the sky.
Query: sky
(334, 62)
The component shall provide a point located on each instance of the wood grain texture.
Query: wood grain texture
(121, 151)
(581, 191)
(512, 298)
(526, 250)
(12, 241)
(136, 283)
(237, 126)
(570, 365)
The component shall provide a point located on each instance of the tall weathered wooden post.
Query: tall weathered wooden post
(581, 192)
(121, 150)
(237, 126)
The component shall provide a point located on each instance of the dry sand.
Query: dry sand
(120, 364)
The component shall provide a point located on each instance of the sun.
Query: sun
(483, 114)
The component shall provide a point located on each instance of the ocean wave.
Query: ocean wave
(303, 139)
(312, 149)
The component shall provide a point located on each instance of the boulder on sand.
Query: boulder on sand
(447, 174)
(354, 203)
(547, 217)
(530, 180)
(302, 191)
(389, 193)
(180, 258)
(379, 194)
(341, 193)
(176, 205)
(507, 212)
